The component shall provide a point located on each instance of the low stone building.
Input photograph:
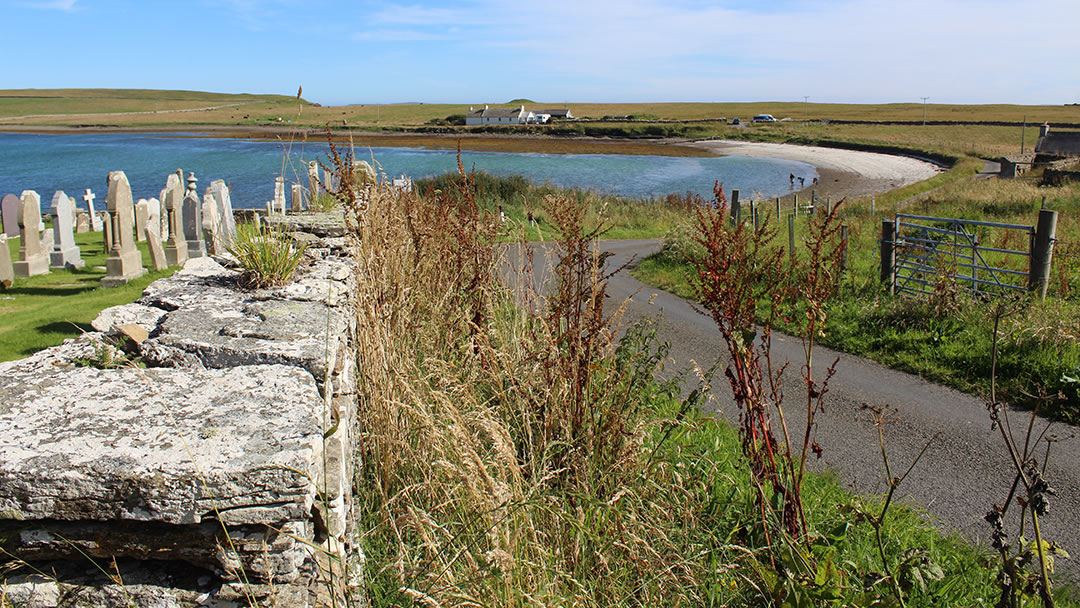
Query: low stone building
(1053, 150)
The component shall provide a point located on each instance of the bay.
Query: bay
(73, 162)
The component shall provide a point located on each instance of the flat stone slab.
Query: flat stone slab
(330, 224)
(177, 446)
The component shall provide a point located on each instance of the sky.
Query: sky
(492, 51)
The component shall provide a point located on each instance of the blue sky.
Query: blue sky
(952, 51)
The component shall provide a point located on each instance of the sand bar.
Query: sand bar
(851, 173)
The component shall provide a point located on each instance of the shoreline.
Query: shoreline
(842, 172)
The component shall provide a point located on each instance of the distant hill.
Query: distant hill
(141, 94)
(518, 102)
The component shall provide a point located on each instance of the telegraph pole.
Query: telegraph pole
(805, 110)
(924, 110)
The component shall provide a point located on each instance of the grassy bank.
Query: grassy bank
(947, 338)
(516, 454)
(44, 310)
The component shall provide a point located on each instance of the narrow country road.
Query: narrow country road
(963, 473)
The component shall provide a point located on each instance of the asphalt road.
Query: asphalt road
(962, 474)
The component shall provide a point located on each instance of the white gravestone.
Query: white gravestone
(95, 220)
(173, 199)
(153, 215)
(141, 217)
(211, 224)
(153, 239)
(279, 195)
(125, 261)
(7, 271)
(32, 260)
(220, 191)
(196, 247)
(313, 181)
(297, 196)
(9, 211)
(64, 254)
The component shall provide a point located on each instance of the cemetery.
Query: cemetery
(200, 434)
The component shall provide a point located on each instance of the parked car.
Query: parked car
(735, 121)
(764, 118)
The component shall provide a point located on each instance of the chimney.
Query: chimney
(485, 106)
(1044, 130)
(522, 107)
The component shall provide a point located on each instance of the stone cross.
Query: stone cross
(32, 260)
(64, 254)
(142, 215)
(173, 199)
(297, 196)
(196, 246)
(125, 261)
(9, 211)
(95, 221)
(7, 271)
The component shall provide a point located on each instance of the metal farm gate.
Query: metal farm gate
(917, 252)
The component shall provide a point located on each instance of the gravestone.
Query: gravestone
(172, 183)
(64, 254)
(153, 242)
(329, 180)
(196, 247)
(220, 191)
(82, 222)
(313, 181)
(46, 239)
(125, 261)
(7, 271)
(297, 196)
(153, 216)
(32, 259)
(9, 211)
(95, 221)
(173, 199)
(279, 195)
(106, 232)
(211, 224)
(141, 217)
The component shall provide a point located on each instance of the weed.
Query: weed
(266, 255)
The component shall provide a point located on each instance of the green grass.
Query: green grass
(44, 310)
(1039, 345)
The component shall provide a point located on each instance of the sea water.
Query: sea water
(75, 162)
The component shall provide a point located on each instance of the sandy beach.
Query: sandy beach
(844, 173)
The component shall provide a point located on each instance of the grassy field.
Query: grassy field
(43, 310)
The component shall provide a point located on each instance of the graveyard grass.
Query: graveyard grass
(44, 310)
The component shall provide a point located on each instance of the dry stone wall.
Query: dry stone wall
(218, 474)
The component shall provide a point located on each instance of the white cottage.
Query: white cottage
(487, 116)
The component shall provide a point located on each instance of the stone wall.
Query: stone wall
(218, 473)
(1019, 164)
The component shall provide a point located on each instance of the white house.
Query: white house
(515, 116)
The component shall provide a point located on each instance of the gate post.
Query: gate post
(888, 254)
(736, 208)
(1042, 251)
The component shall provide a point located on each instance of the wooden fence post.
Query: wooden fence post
(791, 238)
(888, 254)
(778, 209)
(1042, 251)
(843, 247)
(736, 210)
(795, 204)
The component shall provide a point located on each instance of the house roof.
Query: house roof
(1059, 143)
(497, 113)
(562, 113)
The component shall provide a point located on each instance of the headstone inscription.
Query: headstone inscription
(64, 254)
(32, 260)
(125, 261)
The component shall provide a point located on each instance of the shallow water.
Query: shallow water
(74, 162)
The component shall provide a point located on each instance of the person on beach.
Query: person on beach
(815, 181)
(802, 182)
(791, 178)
